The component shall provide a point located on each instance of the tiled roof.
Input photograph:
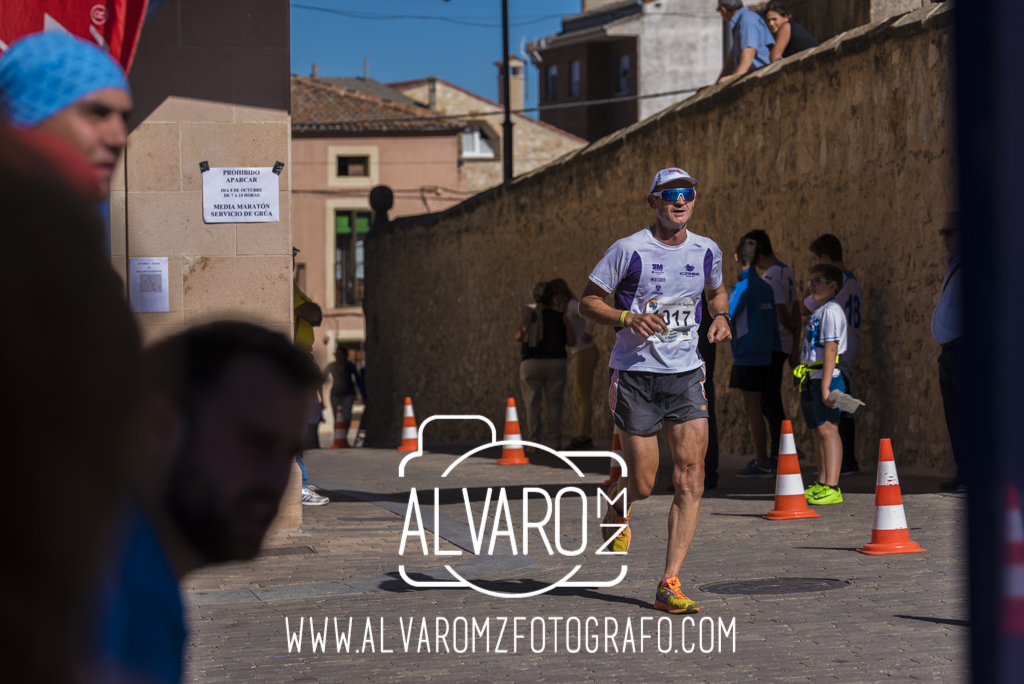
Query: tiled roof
(318, 106)
(368, 86)
(402, 86)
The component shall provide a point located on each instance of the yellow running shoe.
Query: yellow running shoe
(612, 517)
(671, 599)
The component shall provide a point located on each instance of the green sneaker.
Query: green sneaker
(670, 598)
(612, 517)
(812, 490)
(826, 495)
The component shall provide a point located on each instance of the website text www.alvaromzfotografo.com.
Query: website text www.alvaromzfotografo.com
(665, 634)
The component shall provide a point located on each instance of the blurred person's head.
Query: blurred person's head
(825, 282)
(764, 245)
(827, 249)
(775, 15)
(563, 293)
(66, 460)
(225, 407)
(950, 233)
(747, 252)
(538, 291)
(73, 89)
(728, 8)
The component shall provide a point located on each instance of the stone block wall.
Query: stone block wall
(210, 83)
(854, 138)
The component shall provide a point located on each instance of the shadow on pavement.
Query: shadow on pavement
(938, 621)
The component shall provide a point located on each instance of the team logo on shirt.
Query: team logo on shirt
(690, 271)
(657, 268)
(689, 268)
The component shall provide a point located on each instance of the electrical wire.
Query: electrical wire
(462, 21)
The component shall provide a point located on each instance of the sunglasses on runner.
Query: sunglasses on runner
(818, 281)
(674, 194)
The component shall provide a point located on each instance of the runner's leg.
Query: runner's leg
(689, 443)
(641, 454)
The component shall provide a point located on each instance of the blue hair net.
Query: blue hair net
(43, 73)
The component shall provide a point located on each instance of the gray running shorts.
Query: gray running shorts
(640, 400)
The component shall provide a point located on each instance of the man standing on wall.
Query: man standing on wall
(751, 40)
(658, 276)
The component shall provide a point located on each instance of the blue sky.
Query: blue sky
(406, 48)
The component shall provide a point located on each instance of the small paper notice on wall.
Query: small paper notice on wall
(241, 195)
(147, 285)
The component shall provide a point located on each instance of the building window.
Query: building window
(551, 83)
(354, 166)
(351, 228)
(622, 75)
(476, 144)
(574, 78)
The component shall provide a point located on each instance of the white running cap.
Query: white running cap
(667, 175)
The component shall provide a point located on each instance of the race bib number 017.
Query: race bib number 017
(679, 316)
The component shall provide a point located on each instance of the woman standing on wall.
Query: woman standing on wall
(544, 331)
(790, 37)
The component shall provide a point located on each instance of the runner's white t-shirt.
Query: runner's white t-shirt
(783, 283)
(849, 300)
(648, 276)
(827, 324)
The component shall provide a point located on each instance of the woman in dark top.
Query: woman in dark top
(790, 37)
(544, 332)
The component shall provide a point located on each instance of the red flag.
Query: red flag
(112, 24)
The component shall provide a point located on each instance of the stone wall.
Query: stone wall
(828, 18)
(854, 138)
(210, 83)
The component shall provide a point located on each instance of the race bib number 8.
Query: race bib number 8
(679, 315)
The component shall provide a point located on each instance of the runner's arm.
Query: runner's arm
(593, 308)
(718, 302)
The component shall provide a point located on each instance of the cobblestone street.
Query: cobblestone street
(892, 618)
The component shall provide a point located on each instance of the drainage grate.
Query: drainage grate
(287, 551)
(778, 585)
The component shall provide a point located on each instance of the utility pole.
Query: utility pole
(506, 137)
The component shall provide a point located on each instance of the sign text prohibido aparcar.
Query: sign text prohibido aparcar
(241, 195)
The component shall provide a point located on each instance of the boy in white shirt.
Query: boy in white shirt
(824, 343)
(828, 250)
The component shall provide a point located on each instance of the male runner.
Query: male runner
(658, 276)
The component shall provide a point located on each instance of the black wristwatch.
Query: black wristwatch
(728, 318)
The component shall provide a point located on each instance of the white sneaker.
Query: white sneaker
(311, 498)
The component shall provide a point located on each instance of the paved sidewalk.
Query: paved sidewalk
(893, 618)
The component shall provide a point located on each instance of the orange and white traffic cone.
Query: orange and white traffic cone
(512, 454)
(410, 441)
(889, 533)
(1013, 566)
(790, 502)
(340, 431)
(614, 470)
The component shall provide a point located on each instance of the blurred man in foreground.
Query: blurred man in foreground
(223, 412)
(56, 83)
(64, 476)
